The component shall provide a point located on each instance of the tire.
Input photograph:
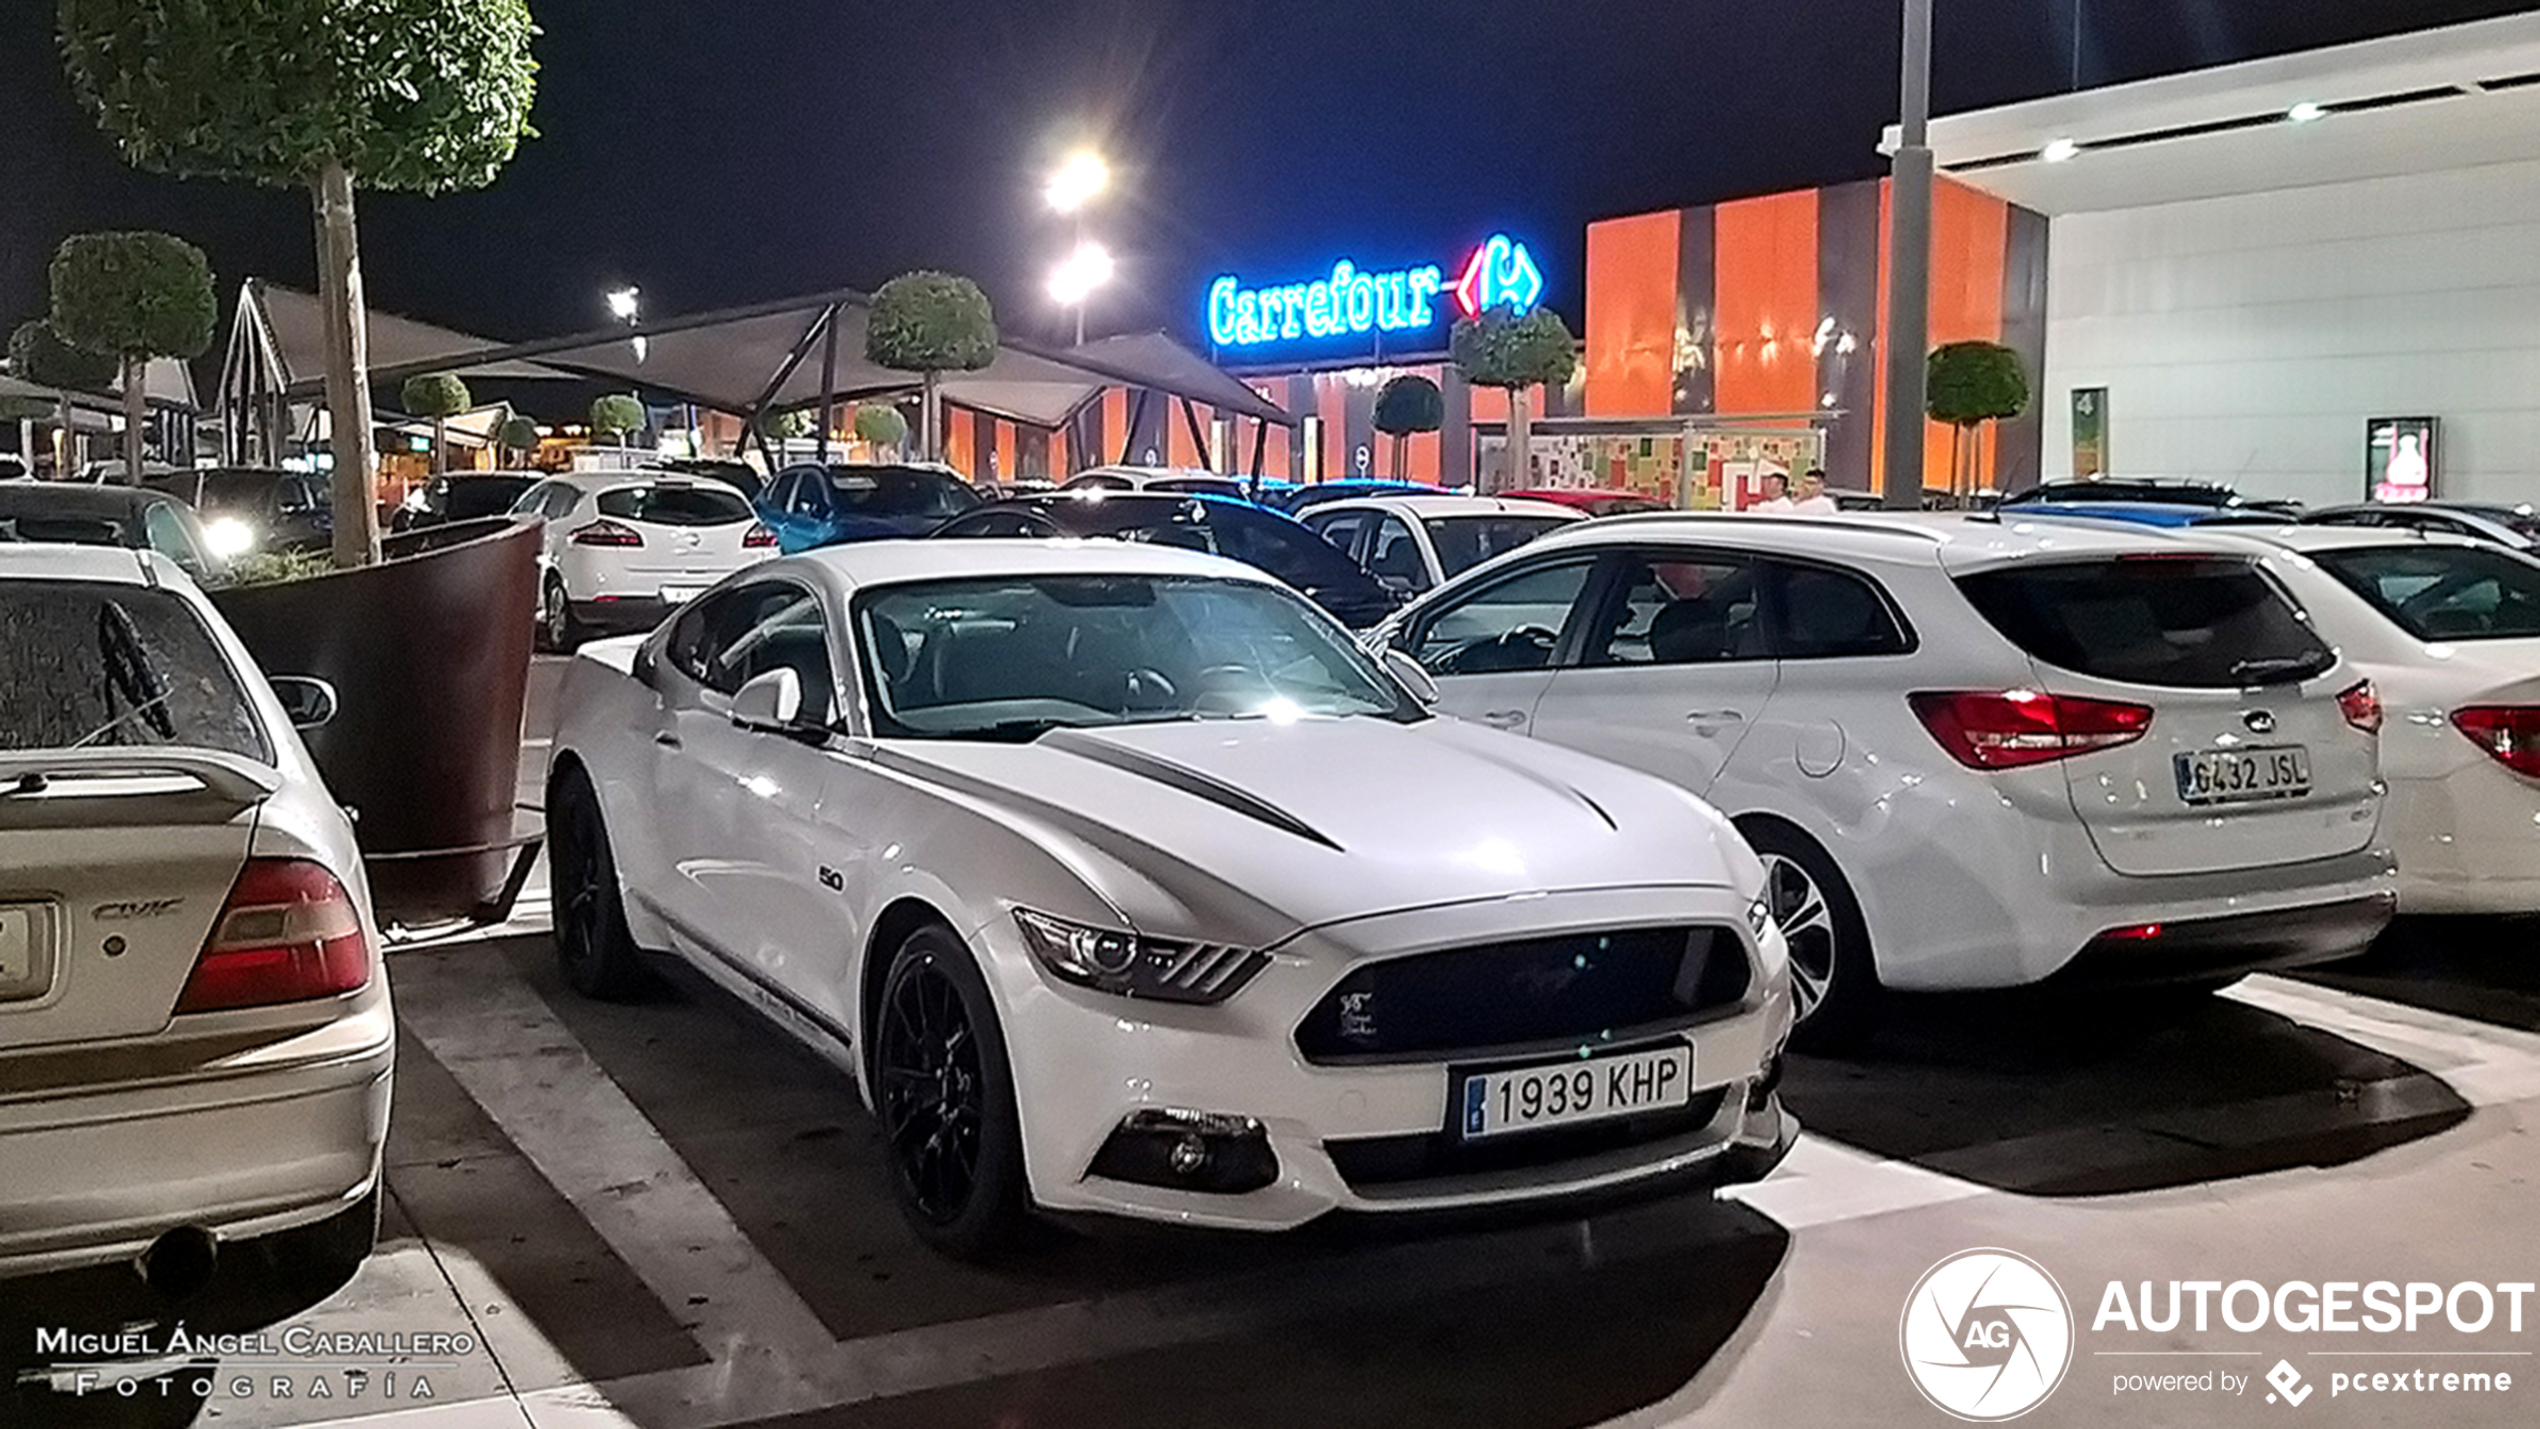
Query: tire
(558, 632)
(1834, 981)
(594, 951)
(945, 1094)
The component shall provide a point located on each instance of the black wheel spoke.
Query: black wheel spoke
(927, 1058)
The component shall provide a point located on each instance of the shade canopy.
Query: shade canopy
(296, 327)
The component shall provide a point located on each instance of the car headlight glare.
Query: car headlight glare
(1127, 965)
(1759, 916)
(228, 536)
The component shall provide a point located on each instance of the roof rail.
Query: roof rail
(1848, 520)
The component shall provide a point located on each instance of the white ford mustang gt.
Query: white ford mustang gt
(1123, 882)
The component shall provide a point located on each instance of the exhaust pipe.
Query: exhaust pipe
(179, 1264)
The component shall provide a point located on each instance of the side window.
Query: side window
(289, 496)
(1821, 613)
(532, 502)
(1393, 557)
(687, 647)
(1511, 624)
(1341, 528)
(561, 499)
(1678, 608)
(166, 533)
(806, 497)
(768, 626)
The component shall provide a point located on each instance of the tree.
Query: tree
(881, 425)
(136, 296)
(931, 323)
(1502, 349)
(518, 434)
(37, 354)
(440, 396)
(1409, 403)
(618, 413)
(1969, 384)
(424, 96)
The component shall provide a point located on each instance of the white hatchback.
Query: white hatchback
(623, 548)
(1974, 753)
(1411, 544)
(195, 1035)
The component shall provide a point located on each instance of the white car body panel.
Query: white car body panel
(1414, 513)
(674, 563)
(770, 863)
(118, 1121)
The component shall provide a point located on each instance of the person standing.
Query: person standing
(1776, 500)
(1813, 500)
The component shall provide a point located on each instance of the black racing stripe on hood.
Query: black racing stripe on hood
(1187, 780)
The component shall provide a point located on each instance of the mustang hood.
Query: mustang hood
(1316, 821)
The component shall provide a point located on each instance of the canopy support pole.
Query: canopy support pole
(828, 385)
(1137, 419)
(1199, 437)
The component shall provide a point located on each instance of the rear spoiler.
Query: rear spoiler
(235, 777)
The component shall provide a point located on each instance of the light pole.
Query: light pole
(1076, 183)
(1909, 269)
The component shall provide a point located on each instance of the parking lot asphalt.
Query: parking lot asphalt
(662, 1214)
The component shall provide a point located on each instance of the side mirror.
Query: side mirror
(769, 702)
(1407, 671)
(309, 701)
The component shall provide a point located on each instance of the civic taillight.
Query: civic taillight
(289, 933)
(2361, 704)
(758, 537)
(2007, 729)
(605, 532)
(2510, 733)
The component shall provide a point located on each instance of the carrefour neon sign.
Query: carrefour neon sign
(1353, 301)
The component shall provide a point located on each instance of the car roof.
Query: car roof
(74, 498)
(1961, 540)
(2349, 538)
(108, 565)
(1424, 505)
(876, 563)
(598, 481)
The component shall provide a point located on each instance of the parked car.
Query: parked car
(1122, 882)
(462, 496)
(1974, 754)
(813, 506)
(136, 519)
(195, 1033)
(749, 480)
(1176, 480)
(1411, 543)
(624, 547)
(1295, 500)
(2515, 527)
(247, 509)
(2168, 515)
(1595, 501)
(2176, 492)
(1262, 539)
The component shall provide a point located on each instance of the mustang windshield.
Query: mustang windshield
(1014, 657)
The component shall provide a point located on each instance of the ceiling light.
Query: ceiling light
(2306, 111)
(2058, 150)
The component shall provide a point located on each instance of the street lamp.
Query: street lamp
(1077, 276)
(1077, 182)
(624, 304)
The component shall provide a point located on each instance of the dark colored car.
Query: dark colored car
(1293, 499)
(813, 506)
(255, 509)
(1237, 530)
(2169, 515)
(1595, 501)
(463, 496)
(2515, 527)
(136, 519)
(2156, 489)
(739, 473)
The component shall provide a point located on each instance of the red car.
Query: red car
(1595, 501)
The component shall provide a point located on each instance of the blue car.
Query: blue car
(2169, 515)
(813, 506)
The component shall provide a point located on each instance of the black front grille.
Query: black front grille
(1394, 1160)
(1599, 988)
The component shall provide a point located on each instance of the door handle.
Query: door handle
(1713, 717)
(667, 739)
(1503, 719)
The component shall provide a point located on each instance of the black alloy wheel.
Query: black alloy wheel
(594, 950)
(946, 1098)
(1834, 985)
(558, 631)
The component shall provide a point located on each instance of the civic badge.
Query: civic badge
(2259, 721)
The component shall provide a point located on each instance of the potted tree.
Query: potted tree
(1502, 349)
(617, 414)
(518, 437)
(880, 425)
(1969, 384)
(38, 354)
(429, 650)
(440, 396)
(135, 296)
(1409, 403)
(931, 323)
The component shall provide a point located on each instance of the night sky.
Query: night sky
(716, 151)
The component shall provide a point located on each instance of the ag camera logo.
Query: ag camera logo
(1987, 1335)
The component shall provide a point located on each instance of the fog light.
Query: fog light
(1188, 1151)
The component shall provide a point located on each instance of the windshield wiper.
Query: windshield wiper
(2277, 669)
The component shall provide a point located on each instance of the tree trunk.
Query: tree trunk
(1401, 444)
(1517, 471)
(932, 420)
(66, 453)
(136, 415)
(440, 445)
(347, 369)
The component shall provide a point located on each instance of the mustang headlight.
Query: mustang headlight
(1125, 964)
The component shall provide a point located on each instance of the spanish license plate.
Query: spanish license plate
(1574, 1091)
(2239, 776)
(26, 950)
(679, 594)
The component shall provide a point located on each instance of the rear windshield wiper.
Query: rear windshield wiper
(2278, 669)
